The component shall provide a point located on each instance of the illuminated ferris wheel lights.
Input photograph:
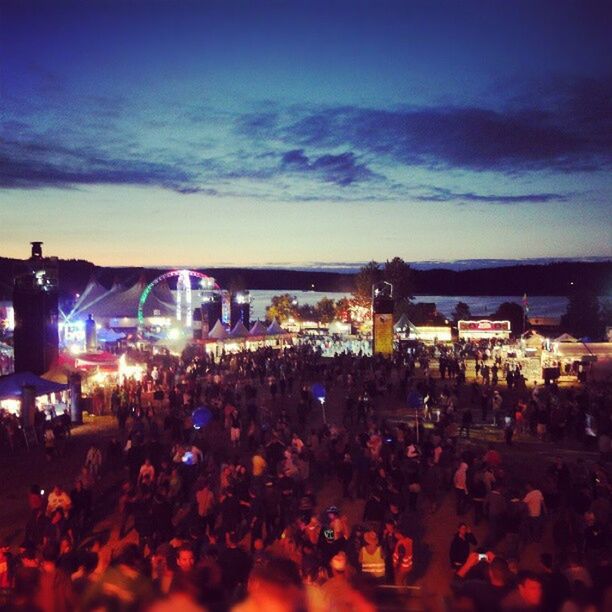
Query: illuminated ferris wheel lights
(184, 312)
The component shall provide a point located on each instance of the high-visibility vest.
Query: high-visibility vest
(403, 560)
(373, 563)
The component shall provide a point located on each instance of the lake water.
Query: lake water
(543, 306)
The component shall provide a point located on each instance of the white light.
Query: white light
(174, 333)
(183, 298)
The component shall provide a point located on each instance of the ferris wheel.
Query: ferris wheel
(184, 294)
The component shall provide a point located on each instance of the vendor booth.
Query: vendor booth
(582, 360)
(483, 329)
(23, 393)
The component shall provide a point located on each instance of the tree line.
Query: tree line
(585, 315)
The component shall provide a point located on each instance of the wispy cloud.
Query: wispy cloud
(305, 153)
(437, 194)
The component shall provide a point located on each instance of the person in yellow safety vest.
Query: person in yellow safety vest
(371, 557)
(402, 558)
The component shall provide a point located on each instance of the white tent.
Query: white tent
(403, 324)
(92, 294)
(565, 338)
(258, 329)
(239, 331)
(218, 332)
(531, 339)
(275, 329)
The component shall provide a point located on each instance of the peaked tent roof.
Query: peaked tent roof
(11, 386)
(402, 323)
(275, 329)
(94, 292)
(162, 292)
(258, 329)
(565, 338)
(406, 324)
(239, 331)
(218, 332)
(533, 339)
(124, 302)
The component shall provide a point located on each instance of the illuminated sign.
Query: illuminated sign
(483, 328)
(383, 334)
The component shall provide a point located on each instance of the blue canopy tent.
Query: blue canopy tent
(11, 386)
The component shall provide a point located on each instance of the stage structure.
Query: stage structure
(187, 298)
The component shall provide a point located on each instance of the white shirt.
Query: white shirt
(534, 500)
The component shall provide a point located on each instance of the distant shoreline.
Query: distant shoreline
(551, 279)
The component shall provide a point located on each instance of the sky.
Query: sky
(261, 133)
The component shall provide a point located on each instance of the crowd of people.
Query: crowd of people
(232, 490)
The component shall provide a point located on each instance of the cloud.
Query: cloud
(571, 129)
(466, 138)
(437, 194)
(342, 169)
(310, 153)
(33, 165)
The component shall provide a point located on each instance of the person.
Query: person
(534, 502)
(49, 439)
(460, 546)
(527, 595)
(402, 558)
(466, 422)
(235, 564)
(371, 557)
(555, 586)
(205, 499)
(146, 474)
(275, 586)
(461, 489)
(185, 563)
(496, 403)
(93, 461)
(54, 589)
(235, 427)
(123, 586)
(495, 506)
(58, 498)
(345, 473)
(338, 593)
(484, 582)
(258, 464)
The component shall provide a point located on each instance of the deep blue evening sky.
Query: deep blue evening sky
(267, 132)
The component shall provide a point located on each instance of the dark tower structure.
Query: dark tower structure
(35, 295)
(212, 311)
(241, 309)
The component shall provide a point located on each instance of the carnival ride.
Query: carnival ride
(184, 294)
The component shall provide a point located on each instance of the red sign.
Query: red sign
(484, 326)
